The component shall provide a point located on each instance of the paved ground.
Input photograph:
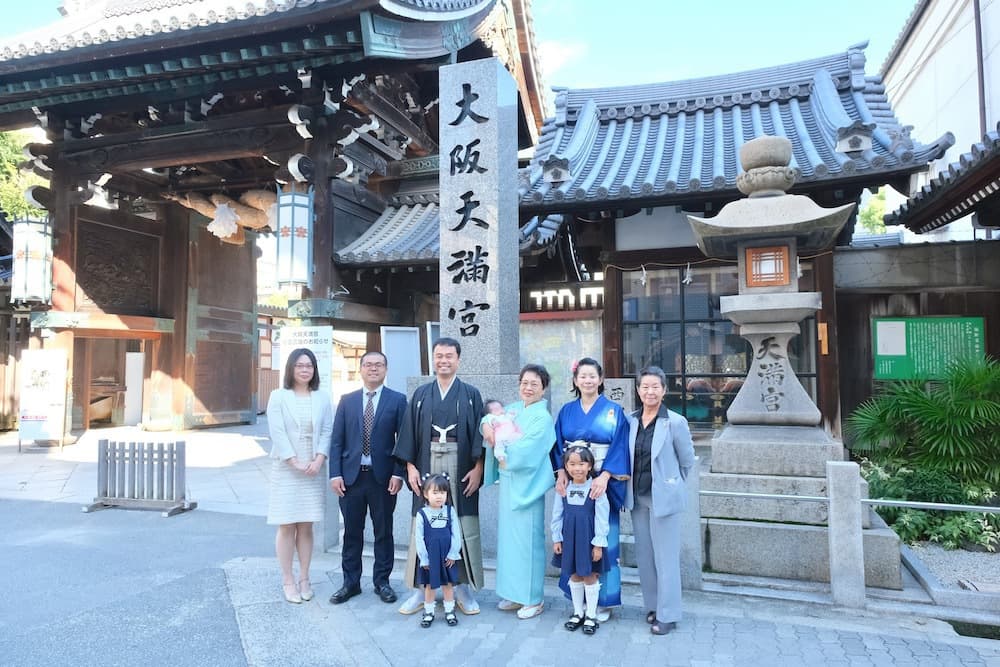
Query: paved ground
(132, 588)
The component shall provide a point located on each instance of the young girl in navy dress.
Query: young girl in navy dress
(439, 541)
(580, 538)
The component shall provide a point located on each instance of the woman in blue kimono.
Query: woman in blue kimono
(600, 424)
(525, 476)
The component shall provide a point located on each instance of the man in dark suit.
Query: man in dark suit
(365, 475)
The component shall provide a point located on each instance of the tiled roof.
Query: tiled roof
(408, 232)
(104, 21)
(660, 142)
(435, 10)
(956, 191)
(904, 34)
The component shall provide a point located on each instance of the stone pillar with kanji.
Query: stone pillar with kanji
(479, 289)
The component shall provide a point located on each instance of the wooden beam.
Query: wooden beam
(367, 100)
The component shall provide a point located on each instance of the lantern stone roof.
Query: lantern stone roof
(970, 185)
(408, 232)
(666, 142)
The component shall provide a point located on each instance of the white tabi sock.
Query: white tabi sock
(593, 591)
(449, 606)
(576, 594)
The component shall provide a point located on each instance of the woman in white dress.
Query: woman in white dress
(300, 421)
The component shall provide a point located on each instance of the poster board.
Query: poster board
(319, 340)
(920, 348)
(42, 409)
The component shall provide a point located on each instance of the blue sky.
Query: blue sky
(591, 43)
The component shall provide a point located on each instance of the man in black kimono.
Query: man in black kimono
(440, 433)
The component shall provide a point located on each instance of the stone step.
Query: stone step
(791, 551)
(759, 509)
(797, 451)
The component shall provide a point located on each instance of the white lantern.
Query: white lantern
(295, 232)
(31, 266)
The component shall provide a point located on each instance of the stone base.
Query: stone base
(774, 450)
(759, 509)
(791, 551)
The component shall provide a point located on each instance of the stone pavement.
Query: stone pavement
(132, 588)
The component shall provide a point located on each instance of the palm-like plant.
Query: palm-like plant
(952, 424)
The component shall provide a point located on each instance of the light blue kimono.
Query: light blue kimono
(524, 481)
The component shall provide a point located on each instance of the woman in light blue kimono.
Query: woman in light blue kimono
(599, 424)
(525, 476)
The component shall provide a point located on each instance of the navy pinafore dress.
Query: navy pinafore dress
(578, 532)
(437, 541)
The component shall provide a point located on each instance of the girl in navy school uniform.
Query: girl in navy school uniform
(580, 537)
(439, 543)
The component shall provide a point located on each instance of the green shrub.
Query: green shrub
(950, 426)
(894, 479)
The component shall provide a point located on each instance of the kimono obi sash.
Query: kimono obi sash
(598, 449)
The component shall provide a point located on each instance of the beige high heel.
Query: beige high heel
(305, 590)
(291, 593)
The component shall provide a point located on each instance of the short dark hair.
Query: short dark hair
(585, 455)
(290, 368)
(369, 353)
(448, 342)
(588, 361)
(654, 371)
(488, 402)
(538, 370)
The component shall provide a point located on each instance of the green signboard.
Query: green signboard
(920, 348)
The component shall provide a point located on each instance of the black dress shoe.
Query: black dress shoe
(661, 628)
(344, 594)
(385, 593)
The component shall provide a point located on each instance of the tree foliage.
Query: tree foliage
(870, 217)
(12, 182)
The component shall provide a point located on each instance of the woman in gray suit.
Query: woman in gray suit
(662, 457)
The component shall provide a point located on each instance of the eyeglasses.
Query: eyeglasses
(303, 366)
(533, 384)
(373, 364)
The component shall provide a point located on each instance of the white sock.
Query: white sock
(592, 591)
(449, 606)
(429, 607)
(576, 593)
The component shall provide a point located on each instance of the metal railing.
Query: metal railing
(877, 502)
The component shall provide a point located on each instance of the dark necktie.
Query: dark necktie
(369, 421)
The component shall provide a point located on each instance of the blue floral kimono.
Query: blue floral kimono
(604, 424)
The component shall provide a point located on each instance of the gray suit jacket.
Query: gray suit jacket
(671, 461)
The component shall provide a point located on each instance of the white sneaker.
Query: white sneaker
(525, 613)
(603, 614)
(412, 604)
(508, 605)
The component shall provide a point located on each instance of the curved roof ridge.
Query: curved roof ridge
(844, 63)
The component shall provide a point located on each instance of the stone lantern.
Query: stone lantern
(766, 232)
(773, 443)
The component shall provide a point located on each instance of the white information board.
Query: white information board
(319, 340)
(42, 409)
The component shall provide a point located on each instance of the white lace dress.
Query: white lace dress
(294, 496)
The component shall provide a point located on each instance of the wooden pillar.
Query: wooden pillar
(612, 320)
(828, 365)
